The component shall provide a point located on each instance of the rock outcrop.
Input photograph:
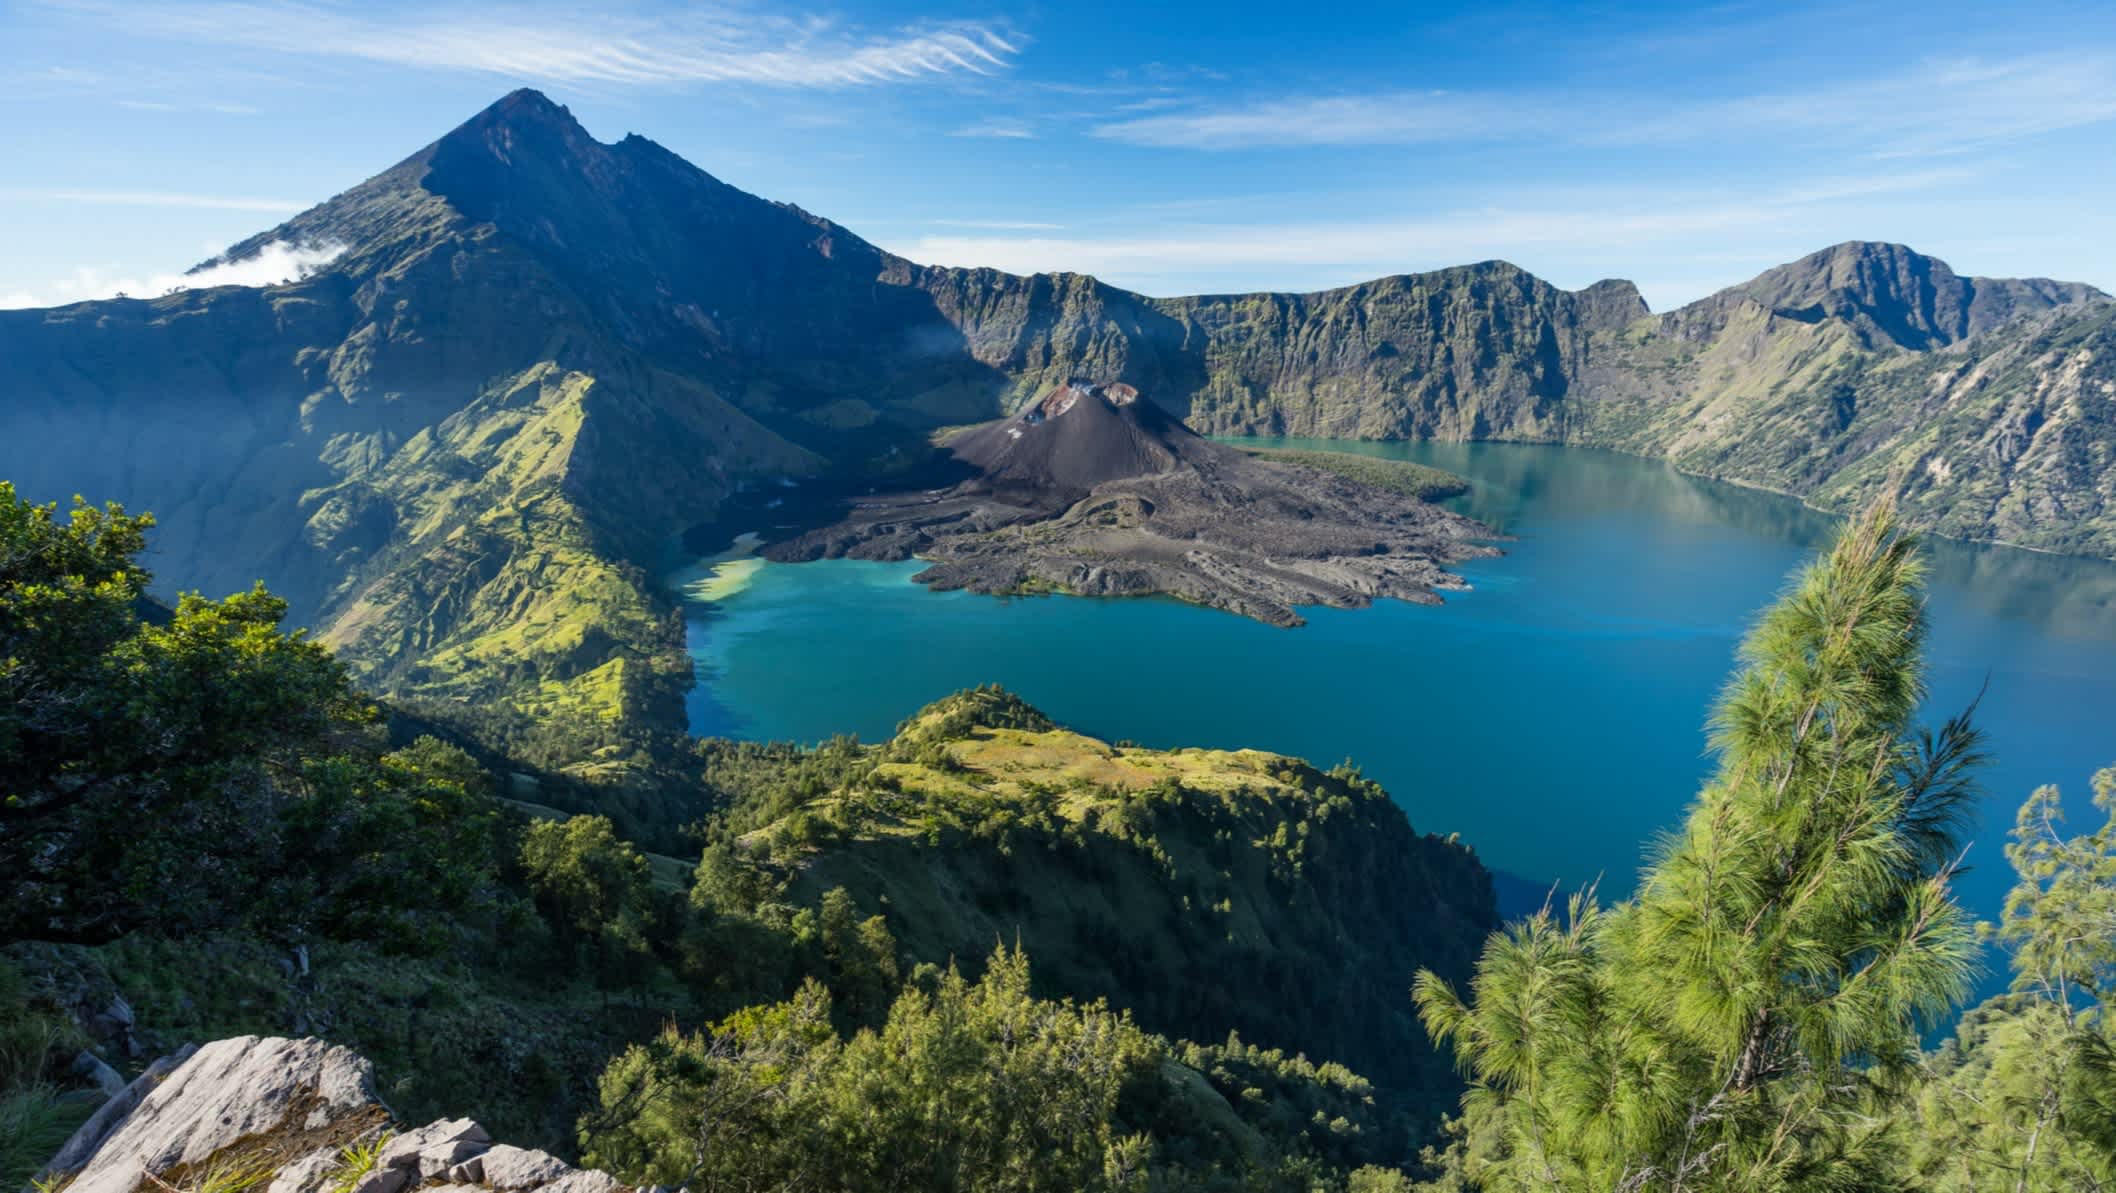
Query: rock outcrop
(290, 1116)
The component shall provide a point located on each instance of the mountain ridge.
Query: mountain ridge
(464, 446)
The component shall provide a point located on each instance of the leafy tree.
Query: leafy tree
(147, 764)
(597, 891)
(1742, 1022)
(363, 821)
(973, 1085)
(2024, 1096)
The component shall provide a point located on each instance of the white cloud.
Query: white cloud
(699, 45)
(1385, 118)
(1000, 225)
(1934, 107)
(153, 199)
(999, 128)
(155, 105)
(275, 263)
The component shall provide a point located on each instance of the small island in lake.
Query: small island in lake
(1092, 491)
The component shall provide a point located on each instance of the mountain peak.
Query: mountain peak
(527, 99)
(521, 124)
(1896, 294)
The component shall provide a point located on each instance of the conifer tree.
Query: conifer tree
(1739, 1022)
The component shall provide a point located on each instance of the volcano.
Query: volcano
(1078, 436)
(1092, 490)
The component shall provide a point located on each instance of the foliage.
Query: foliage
(35, 1121)
(2025, 1092)
(163, 770)
(1746, 1019)
(356, 1160)
(1397, 476)
(1135, 875)
(972, 1085)
(597, 891)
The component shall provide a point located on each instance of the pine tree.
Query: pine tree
(1739, 1022)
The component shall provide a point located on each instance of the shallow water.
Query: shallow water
(1553, 715)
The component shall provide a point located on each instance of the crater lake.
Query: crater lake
(1554, 716)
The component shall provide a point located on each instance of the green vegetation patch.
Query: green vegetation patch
(1397, 476)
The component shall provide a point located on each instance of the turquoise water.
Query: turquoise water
(1553, 716)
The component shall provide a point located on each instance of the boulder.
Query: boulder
(436, 1149)
(308, 1174)
(581, 1180)
(104, 1078)
(508, 1167)
(291, 1107)
(244, 1089)
(383, 1180)
(441, 1136)
(89, 1136)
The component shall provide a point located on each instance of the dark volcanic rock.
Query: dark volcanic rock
(1090, 490)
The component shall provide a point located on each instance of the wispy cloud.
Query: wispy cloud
(1385, 118)
(276, 263)
(720, 44)
(999, 225)
(152, 199)
(1934, 107)
(155, 105)
(999, 128)
(1937, 107)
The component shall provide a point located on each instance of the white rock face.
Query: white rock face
(228, 1090)
(252, 1092)
(510, 1167)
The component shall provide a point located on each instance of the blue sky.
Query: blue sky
(1173, 148)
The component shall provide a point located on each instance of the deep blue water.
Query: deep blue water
(1553, 716)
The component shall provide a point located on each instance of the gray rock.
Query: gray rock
(118, 1014)
(105, 1078)
(308, 1174)
(383, 1180)
(187, 1110)
(444, 1158)
(582, 1180)
(228, 1090)
(510, 1167)
(87, 1138)
(441, 1136)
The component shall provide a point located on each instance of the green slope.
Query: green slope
(1208, 891)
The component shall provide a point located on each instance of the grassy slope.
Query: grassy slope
(1396, 476)
(1209, 891)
